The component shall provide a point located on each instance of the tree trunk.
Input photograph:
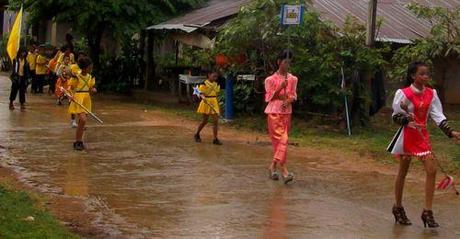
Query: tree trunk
(360, 102)
(150, 71)
(141, 58)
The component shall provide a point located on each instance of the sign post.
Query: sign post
(291, 15)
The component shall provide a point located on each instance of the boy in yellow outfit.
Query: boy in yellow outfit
(41, 69)
(209, 105)
(32, 58)
(82, 84)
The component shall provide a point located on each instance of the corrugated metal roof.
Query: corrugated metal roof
(399, 24)
(214, 10)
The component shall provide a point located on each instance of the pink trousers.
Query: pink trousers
(278, 129)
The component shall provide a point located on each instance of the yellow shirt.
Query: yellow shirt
(40, 68)
(61, 58)
(209, 88)
(32, 58)
(75, 69)
(21, 67)
(82, 82)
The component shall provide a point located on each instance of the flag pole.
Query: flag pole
(23, 24)
(82, 106)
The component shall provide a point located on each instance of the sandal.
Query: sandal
(289, 178)
(78, 146)
(273, 175)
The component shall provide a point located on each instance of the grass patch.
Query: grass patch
(16, 207)
(370, 141)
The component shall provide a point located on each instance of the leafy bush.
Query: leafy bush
(320, 51)
(443, 42)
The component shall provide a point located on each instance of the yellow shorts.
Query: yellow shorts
(84, 99)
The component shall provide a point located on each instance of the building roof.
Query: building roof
(399, 25)
(213, 11)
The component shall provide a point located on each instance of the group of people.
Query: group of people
(412, 106)
(38, 67)
(69, 79)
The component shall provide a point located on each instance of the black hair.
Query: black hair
(21, 51)
(64, 48)
(412, 69)
(286, 54)
(81, 55)
(68, 37)
(211, 71)
(84, 62)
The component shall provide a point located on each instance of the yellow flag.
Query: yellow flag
(15, 37)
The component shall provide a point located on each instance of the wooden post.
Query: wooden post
(150, 64)
(141, 56)
(371, 23)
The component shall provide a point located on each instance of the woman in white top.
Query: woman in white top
(411, 108)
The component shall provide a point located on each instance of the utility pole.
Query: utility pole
(371, 23)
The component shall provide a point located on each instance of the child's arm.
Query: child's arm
(41, 60)
(92, 84)
(293, 91)
(400, 116)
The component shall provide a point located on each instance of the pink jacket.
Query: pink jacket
(290, 92)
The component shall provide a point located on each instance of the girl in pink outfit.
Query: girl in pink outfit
(411, 108)
(280, 93)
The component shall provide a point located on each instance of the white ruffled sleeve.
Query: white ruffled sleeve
(436, 112)
(399, 97)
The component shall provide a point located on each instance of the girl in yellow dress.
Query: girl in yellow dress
(209, 105)
(82, 84)
(74, 68)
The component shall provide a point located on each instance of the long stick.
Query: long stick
(346, 104)
(83, 107)
(405, 108)
(214, 110)
(198, 93)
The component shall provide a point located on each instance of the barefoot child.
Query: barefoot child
(209, 105)
(411, 108)
(40, 69)
(280, 93)
(32, 59)
(82, 84)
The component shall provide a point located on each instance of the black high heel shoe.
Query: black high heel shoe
(400, 216)
(428, 219)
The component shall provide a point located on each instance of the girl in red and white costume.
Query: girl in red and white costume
(411, 108)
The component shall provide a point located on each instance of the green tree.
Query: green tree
(320, 51)
(94, 18)
(442, 44)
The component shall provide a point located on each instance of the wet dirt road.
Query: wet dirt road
(145, 178)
